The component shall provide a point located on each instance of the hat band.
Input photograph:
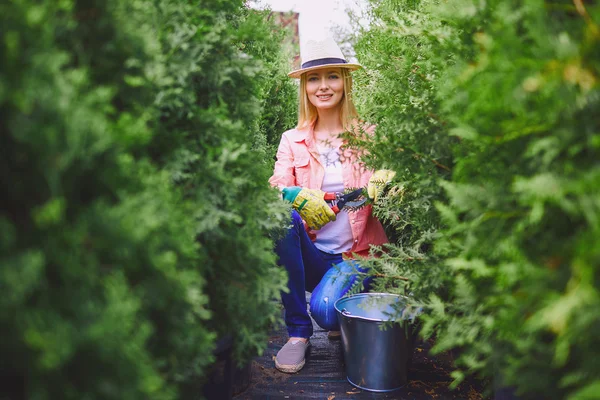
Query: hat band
(323, 61)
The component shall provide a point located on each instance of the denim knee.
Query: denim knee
(334, 285)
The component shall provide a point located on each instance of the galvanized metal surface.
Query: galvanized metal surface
(376, 359)
(324, 376)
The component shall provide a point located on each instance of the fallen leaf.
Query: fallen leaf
(330, 397)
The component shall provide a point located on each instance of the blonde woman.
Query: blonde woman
(311, 160)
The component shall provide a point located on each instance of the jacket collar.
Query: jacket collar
(306, 135)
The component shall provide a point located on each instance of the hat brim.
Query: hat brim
(297, 73)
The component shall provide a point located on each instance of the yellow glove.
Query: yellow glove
(310, 205)
(378, 180)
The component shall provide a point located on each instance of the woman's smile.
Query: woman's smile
(324, 96)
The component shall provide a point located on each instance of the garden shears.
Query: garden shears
(349, 201)
(339, 201)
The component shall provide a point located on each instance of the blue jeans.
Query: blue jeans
(310, 270)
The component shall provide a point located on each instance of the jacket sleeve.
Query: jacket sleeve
(283, 173)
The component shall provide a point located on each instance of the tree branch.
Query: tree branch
(402, 278)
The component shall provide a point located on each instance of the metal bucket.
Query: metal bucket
(376, 360)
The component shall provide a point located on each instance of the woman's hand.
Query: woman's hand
(377, 182)
(310, 205)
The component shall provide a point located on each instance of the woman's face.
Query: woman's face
(325, 87)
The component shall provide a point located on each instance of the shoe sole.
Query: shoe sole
(289, 369)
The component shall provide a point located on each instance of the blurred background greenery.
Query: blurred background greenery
(136, 222)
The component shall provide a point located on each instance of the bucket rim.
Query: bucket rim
(398, 296)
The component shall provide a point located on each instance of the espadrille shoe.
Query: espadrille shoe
(291, 358)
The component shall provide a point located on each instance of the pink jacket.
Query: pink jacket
(298, 164)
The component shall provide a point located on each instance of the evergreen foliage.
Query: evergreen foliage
(397, 91)
(212, 97)
(137, 223)
(512, 99)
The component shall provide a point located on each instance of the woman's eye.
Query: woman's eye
(333, 76)
(312, 79)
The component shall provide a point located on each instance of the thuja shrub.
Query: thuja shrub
(278, 94)
(397, 91)
(100, 270)
(211, 99)
(523, 211)
(134, 225)
(516, 88)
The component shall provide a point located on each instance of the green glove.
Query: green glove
(378, 180)
(310, 205)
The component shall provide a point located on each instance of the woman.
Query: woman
(311, 160)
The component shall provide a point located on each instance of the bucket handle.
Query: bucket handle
(346, 312)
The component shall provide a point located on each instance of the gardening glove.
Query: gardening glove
(310, 205)
(378, 180)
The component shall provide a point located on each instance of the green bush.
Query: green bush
(137, 223)
(523, 212)
(397, 90)
(515, 87)
(211, 97)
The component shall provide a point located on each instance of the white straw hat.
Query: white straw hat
(322, 54)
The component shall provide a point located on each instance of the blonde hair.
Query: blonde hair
(307, 112)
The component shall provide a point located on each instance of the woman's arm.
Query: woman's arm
(283, 173)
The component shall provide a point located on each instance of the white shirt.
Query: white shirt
(336, 236)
